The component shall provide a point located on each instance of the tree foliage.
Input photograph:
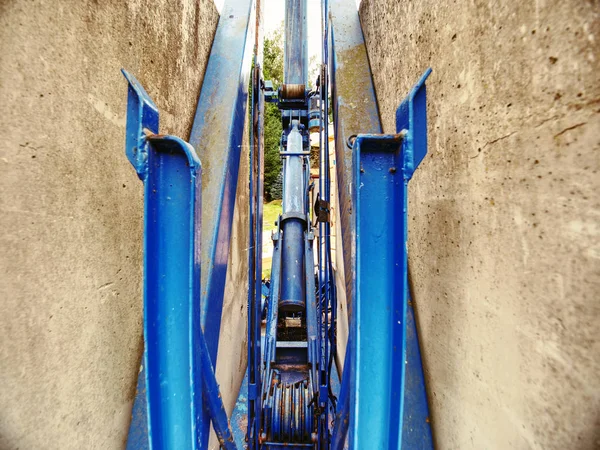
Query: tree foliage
(273, 57)
(273, 70)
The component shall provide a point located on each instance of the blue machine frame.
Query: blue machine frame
(392, 413)
(176, 357)
(178, 395)
(216, 137)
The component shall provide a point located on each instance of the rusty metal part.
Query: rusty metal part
(293, 91)
(289, 416)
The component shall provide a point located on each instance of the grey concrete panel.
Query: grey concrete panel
(71, 206)
(504, 238)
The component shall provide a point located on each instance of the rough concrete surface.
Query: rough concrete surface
(71, 206)
(504, 232)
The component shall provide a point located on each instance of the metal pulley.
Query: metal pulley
(293, 91)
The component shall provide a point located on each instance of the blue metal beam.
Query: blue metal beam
(256, 183)
(377, 317)
(212, 394)
(354, 111)
(171, 174)
(176, 356)
(416, 428)
(383, 165)
(217, 137)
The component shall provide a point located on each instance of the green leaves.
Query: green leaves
(273, 70)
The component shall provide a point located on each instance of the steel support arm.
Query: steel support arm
(354, 111)
(171, 272)
(176, 357)
(392, 412)
(217, 135)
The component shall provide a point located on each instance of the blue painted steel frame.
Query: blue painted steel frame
(217, 135)
(176, 357)
(383, 344)
(255, 224)
(327, 285)
(377, 317)
(171, 281)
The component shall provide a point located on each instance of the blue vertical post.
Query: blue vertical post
(326, 275)
(256, 183)
(171, 174)
(377, 318)
(383, 343)
(253, 339)
(383, 166)
(177, 364)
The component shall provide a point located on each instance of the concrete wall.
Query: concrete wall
(71, 206)
(504, 229)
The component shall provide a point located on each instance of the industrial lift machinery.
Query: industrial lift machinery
(296, 393)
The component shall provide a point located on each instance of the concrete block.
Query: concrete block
(71, 206)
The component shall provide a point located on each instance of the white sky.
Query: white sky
(274, 16)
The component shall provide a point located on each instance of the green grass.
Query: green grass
(266, 273)
(271, 212)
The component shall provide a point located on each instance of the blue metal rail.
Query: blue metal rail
(176, 357)
(376, 413)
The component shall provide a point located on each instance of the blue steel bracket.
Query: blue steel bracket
(142, 114)
(176, 357)
(141, 131)
(383, 342)
(411, 116)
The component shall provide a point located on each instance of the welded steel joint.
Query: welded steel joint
(141, 130)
